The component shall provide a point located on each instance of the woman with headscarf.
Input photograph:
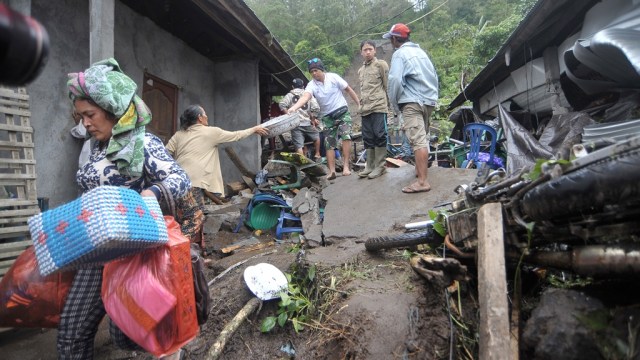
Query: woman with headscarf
(195, 148)
(123, 155)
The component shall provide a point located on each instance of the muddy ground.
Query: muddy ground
(374, 305)
(368, 306)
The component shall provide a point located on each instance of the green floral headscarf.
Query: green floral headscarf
(106, 84)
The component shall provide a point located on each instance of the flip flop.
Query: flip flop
(332, 176)
(411, 190)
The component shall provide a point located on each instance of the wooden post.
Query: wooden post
(238, 163)
(492, 285)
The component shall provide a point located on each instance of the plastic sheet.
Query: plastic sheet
(28, 299)
(561, 133)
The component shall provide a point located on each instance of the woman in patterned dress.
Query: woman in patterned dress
(123, 155)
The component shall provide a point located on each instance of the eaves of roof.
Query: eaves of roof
(220, 30)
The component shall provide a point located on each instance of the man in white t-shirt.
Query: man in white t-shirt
(327, 88)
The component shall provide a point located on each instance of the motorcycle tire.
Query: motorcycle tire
(428, 236)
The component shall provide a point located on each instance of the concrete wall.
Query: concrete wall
(227, 90)
(236, 107)
(56, 151)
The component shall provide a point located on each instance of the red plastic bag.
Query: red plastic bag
(28, 299)
(150, 295)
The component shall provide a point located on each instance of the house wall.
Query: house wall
(228, 90)
(56, 151)
(236, 107)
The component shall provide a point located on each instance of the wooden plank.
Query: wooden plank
(17, 161)
(17, 144)
(21, 212)
(14, 220)
(233, 188)
(235, 159)
(492, 285)
(10, 93)
(18, 176)
(17, 202)
(18, 128)
(12, 254)
(14, 103)
(15, 245)
(14, 230)
(7, 110)
(6, 263)
(396, 162)
(6, 182)
(282, 181)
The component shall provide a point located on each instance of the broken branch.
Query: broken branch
(216, 349)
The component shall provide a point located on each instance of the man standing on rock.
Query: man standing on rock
(327, 88)
(413, 91)
(374, 107)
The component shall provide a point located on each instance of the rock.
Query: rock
(212, 224)
(554, 330)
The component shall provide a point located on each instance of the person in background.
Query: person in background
(122, 155)
(195, 148)
(308, 114)
(328, 89)
(413, 92)
(374, 107)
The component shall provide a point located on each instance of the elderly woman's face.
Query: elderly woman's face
(97, 121)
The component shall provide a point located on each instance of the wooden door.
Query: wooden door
(162, 99)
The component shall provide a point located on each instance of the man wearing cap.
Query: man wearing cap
(327, 88)
(413, 92)
(308, 119)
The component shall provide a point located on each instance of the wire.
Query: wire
(358, 34)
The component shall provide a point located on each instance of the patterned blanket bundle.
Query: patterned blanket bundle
(104, 224)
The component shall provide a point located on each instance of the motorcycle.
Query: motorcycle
(579, 216)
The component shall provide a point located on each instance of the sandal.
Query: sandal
(411, 189)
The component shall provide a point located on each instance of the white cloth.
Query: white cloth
(80, 132)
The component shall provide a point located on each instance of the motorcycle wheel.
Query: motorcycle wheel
(428, 236)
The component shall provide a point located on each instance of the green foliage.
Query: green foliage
(568, 282)
(610, 341)
(537, 170)
(295, 304)
(459, 35)
(407, 254)
(439, 224)
(489, 40)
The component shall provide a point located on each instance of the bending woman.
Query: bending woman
(195, 148)
(123, 155)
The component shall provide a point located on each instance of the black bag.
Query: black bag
(337, 113)
(201, 287)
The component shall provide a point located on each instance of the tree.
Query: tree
(459, 35)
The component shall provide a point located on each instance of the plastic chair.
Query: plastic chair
(473, 136)
(282, 229)
(476, 133)
(269, 199)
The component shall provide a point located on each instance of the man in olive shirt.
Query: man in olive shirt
(374, 108)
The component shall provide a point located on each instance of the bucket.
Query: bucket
(263, 216)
